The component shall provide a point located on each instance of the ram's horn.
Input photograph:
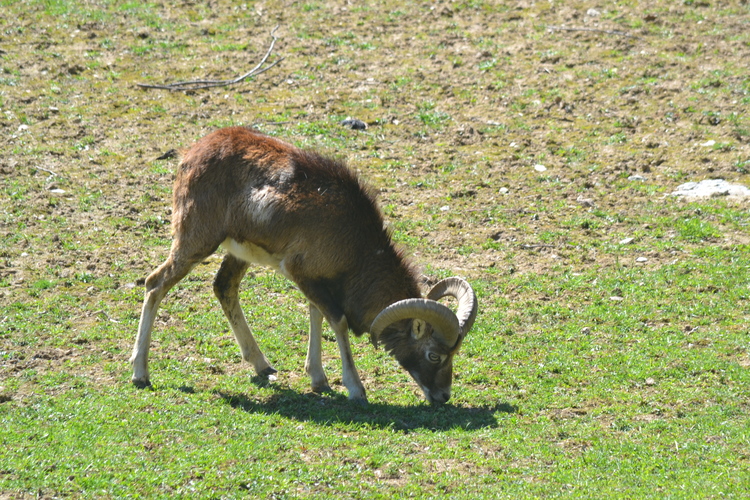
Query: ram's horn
(445, 325)
(464, 294)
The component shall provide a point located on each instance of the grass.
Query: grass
(578, 379)
(610, 357)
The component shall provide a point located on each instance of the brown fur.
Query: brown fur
(324, 218)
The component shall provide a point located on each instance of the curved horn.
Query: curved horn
(464, 294)
(445, 325)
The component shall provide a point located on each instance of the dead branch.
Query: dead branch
(205, 84)
(594, 30)
(53, 174)
(536, 247)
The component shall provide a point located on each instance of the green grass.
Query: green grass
(634, 396)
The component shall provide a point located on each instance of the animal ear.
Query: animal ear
(418, 328)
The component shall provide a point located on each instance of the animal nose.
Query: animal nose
(440, 397)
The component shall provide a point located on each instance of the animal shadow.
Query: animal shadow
(332, 409)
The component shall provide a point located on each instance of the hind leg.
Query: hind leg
(157, 285)
(226, 288)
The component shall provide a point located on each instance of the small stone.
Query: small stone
(445, 208)
(636, 177)
(616, 298)
(76, 69)
(540, 168)
(57, 191)
(593, 13)
(354, 124)
(708, 143)
(650, 381)
(626, 241)
(503, 190)
(641, 259)
(585, 202)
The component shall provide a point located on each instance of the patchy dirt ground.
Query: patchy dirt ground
(504, 136)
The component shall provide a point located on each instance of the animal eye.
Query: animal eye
(433, 357)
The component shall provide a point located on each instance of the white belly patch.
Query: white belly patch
(255, 254)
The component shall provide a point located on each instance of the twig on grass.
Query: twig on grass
(536, 246)
(53, 174)
(594, 30)
(205, 84)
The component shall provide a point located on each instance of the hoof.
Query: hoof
(268, 371)
(323, 388)
(268, 374)
(141, 384)
(359, 401)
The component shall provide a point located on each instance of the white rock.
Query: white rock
(641, 259)
(626, 241)
(593, 13)
(708, 144)
(540, 168)
(709, 188)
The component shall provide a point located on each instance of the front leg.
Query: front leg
(349, 374)
(314, 363)
(323, 302)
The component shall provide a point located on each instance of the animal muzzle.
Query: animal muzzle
(437, 397)
(434, 396)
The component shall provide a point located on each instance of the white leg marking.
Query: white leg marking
(249, 347)
(157, 286)
(314, 363)
(349, 374)
(139, 358)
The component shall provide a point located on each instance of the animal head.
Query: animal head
(424, 335)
